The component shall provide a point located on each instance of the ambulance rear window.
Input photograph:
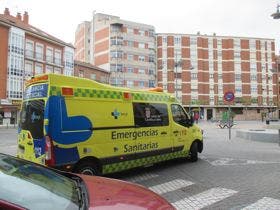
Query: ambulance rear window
(150, 114)
(32, 117)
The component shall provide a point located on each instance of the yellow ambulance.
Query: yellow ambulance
(83, 126)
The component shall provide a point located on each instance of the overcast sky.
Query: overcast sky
(249, 18)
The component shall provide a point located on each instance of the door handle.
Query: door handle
(175, 132)
(30, 143)
(163, 133)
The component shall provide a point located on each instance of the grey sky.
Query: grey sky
(249, 18)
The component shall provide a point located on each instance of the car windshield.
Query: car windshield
(35, 187)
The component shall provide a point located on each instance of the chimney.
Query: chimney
(19, 16)
(6, 11)
(25, 18)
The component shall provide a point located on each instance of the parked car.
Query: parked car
(27, 185)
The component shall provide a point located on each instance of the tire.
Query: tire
(88, 168)
(194, 152)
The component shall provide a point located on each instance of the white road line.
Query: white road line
(265, 204)
(170, 186)
(142, 177)
(204, 199)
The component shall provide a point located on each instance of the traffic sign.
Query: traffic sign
(229, 96)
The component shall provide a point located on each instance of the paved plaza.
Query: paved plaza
(231, 173)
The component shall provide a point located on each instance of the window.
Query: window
(29, 49)
(130, 43)
(211, 76)
(39, 51)
(179, 115)
(28, 71)
(130, 57)
(164, 39)
(130, 30)
(49, 69)
(253, 77)
(141, 58)
(141, 45)
(38, 68)
(193, 76)
(141, 32)
(141, 84)
(238, 88)
(57, 57)
(152, 83)
(151, 58)
(177, 40)
(81, 73)
(93, 76)
(141, 71)
(116, 54)
(130, 70)
(237, 77)
(116, 40)
(27, 119)
(150, 114)
(49, 56)
(117, 67)
(57, 70)
(130, 83)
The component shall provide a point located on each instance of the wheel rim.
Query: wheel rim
(88, 171)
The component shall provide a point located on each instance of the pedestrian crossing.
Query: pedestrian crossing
(199, 200)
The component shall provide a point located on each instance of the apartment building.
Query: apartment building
(26, 51)
(125, 49)
(200, 69)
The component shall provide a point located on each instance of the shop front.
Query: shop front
(9, 112)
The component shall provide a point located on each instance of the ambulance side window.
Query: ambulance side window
(178, 114)
(150, 114)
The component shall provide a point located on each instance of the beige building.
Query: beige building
(200, 69)
(125, 49)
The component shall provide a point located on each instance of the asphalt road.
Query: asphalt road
(230, 174)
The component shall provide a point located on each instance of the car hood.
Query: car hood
(105, 193)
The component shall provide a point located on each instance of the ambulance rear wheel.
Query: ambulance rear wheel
(88, 168)
(194, 152)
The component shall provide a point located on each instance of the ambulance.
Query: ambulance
(83, 126)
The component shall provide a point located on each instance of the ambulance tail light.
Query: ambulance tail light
(49, 151)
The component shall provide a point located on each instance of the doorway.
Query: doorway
(209, 114)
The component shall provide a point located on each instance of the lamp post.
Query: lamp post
(276, 15)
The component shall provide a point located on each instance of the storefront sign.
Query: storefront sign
(6, 102)
(7, 114)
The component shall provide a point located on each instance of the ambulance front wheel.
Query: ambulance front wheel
(194, 152)
(88, 168)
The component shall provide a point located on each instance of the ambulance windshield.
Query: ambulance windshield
(32, 117)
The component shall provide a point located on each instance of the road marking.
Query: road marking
(204, 199)
(231, 161)
(142, 177)
(170, 186)
(265, 203)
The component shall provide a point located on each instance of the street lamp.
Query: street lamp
(276, 15)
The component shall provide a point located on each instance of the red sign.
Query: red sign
(229, 96)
